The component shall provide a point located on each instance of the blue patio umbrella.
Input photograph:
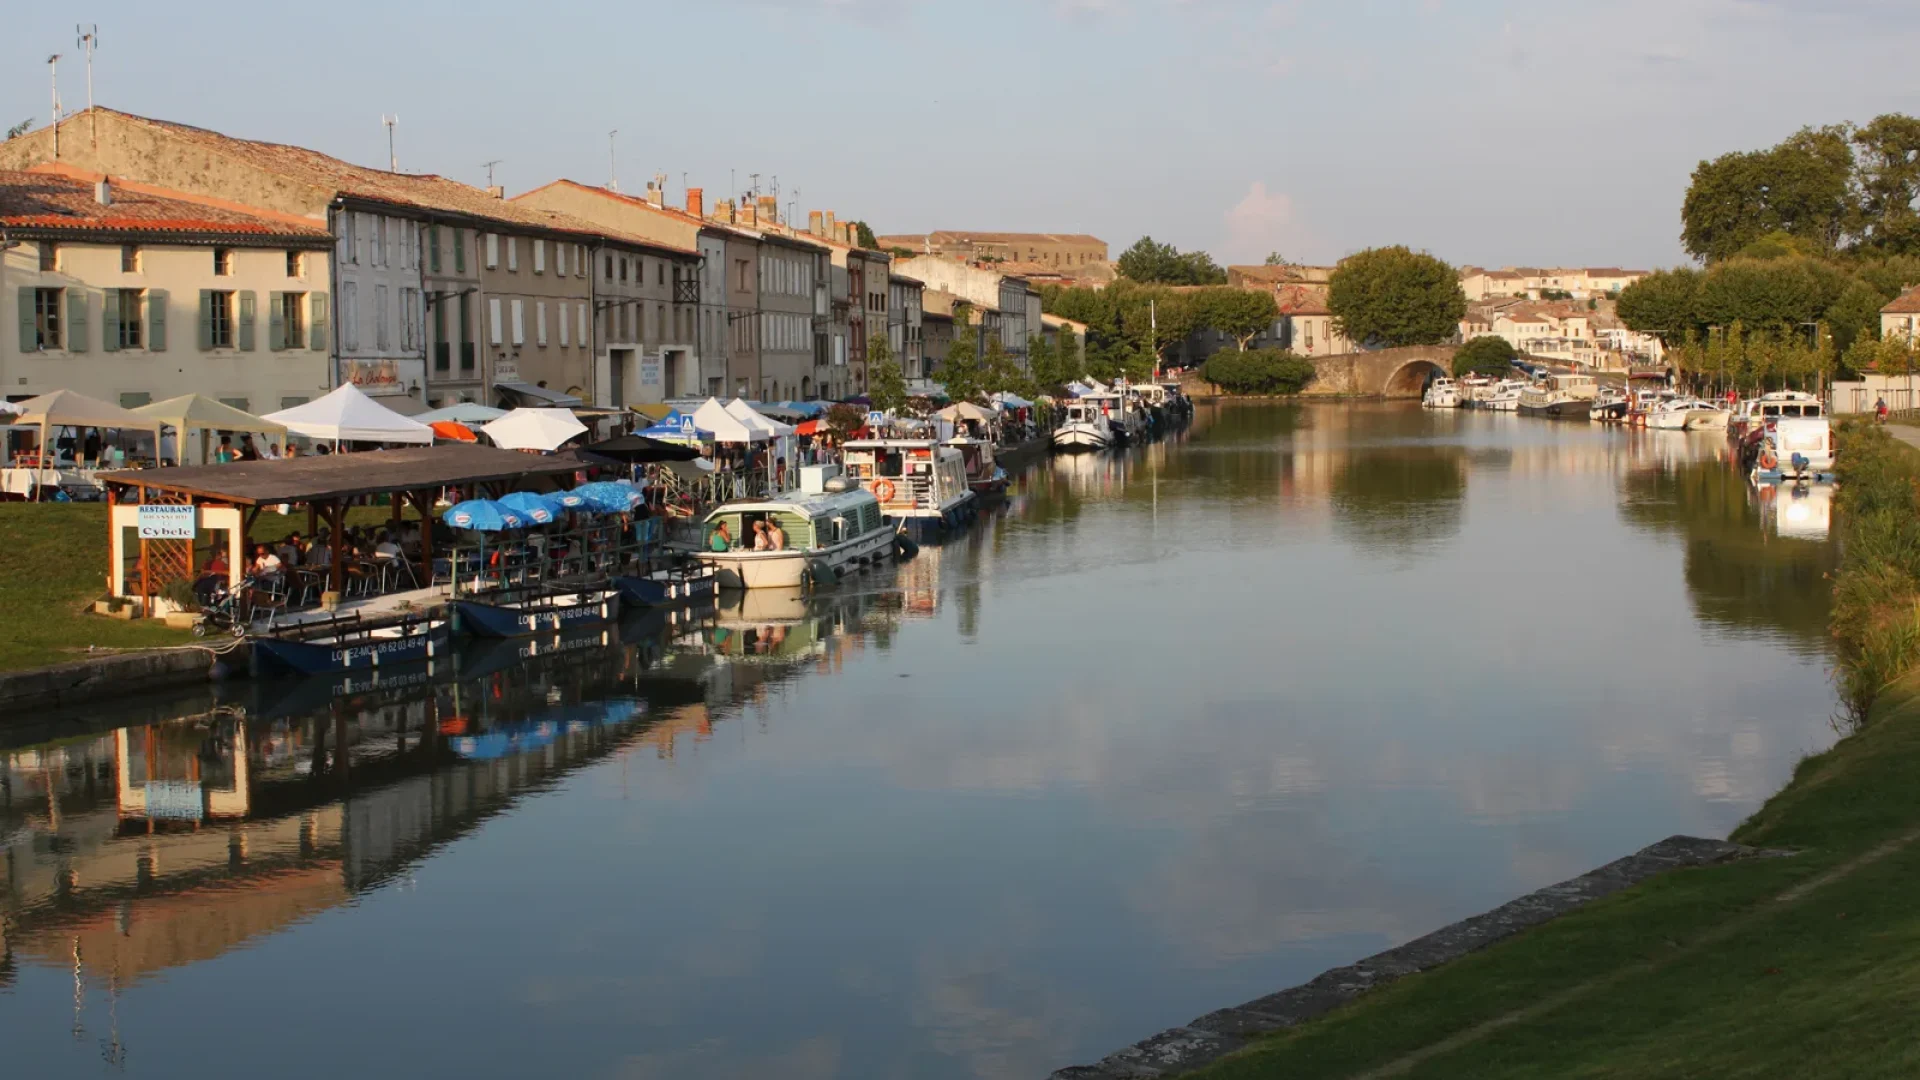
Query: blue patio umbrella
(610, 496)
(535, 508)
(569, 500)
(483, 515)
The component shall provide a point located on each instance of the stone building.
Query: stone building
(1075, 254)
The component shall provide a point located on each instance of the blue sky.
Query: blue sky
(1486, 131)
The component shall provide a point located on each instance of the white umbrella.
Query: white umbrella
(466, 412)
(534, 429)
(348, 413)
(964, 410)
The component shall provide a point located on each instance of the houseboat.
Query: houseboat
(1750, 416)
(984, 475)
(920, 483)
(1082, 427)
(1441, 394)
(1127, 421)
(1503, 396)
(1560, 396)
(831, 527)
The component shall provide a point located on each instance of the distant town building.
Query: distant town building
(1901, 317)
(1071, 255)
(1536, 283)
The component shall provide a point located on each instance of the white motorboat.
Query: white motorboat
(1609, 404)
(1504, 396)
(1560, 396)
(1125, 423)
(1675, 415)
(1710, 418)
(830, 525)
(921, 483)
(1441, 394)
(1083, 427)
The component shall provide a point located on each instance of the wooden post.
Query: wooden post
(423, 502)
(338, 576)
(146, 592)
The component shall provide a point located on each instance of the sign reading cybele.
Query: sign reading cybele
(166, 522)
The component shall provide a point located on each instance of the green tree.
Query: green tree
(864, 236)
(999, 372)
(1856, 312)
(1888, 182)
(1396, 296)
(1241, 314)
(1148, 262)
(1487, 355)
(886, 383)
(961, 373)
(19, 129)
(1274, 258)
(1665, 303)
(1801, 187)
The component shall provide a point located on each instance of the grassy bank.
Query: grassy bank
(1800, 966)
(53, 565)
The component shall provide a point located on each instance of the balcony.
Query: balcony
(686, 290)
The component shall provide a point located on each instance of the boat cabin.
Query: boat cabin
(908, 476)
(811, 521)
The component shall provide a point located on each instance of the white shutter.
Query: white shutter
(540, 255)
(513, 253)
(560, 262)
(519, 321)
(493, 250)
(560, 309)
(540, 321)
(582, 325)
(493, 319)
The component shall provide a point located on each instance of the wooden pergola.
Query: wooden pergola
(326, 485)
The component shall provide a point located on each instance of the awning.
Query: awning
(539, 395)
(655, 411)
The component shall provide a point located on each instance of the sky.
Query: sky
(1548, 132)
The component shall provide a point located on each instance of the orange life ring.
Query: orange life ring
(883, 490)
(1768, 459)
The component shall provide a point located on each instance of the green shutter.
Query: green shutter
(246, 320)
(206, 320)
(156, 320)
(433, 247)
(317, 325)
(29, 333)
(76, 319)
(459, 251)
(110, 320)
(276, 321)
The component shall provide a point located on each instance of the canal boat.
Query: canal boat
(349, 643)
(670, 587)
(1749, 417)
(832, 529)
(1609, 405)
(1503, 396)
(1179, 405)
(1793, 448)
(1441, 394)
(1125, 424)
(921, 484)
(1678, 414)
(1559, 396)
(537, 609)
(1082, 427)
(984, 475)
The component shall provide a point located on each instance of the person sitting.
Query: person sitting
(266, 565)
(722, 538)
(384, 548)
(212, 582)
(290, 551)
(321, 553)
(776, 537)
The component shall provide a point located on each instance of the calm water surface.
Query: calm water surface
(1174, 730)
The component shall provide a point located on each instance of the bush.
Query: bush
(1489, 356)
(1876, 592)
(1258, 371)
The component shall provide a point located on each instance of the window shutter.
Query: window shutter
(317, 322)
(513, 254)
(539, 255)
(276, 321)
(29, 333)
(433, 249)
(493, 250)
(582, 325)
(206, 320)
(519, 322)
(76, 331)
(540, 324)
(110, 320)
(459, 251)
(156, 320)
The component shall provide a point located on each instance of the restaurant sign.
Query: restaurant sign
(166, 522)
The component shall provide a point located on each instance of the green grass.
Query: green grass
(53, 565)
(1699, 973)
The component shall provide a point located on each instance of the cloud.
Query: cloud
(1260, 222)
(1087, 10)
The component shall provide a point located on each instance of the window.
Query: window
(382, 327)
(561, 311)
(409, 326)
(466, 327)
(290, 402)
(135, 399)
(49, 256)
(433, 248)
(442, 352)
(540, 323)
(513, 254)
(539, 256)
(350, 239)
(236, 403)
(296, 264)
(293, 333)
(660, 320)
(46, 314)
(660, 273)
(219, 320)
(580, 259)
(493, 319)
(519, 322)
(222, 262)
(129, 258)
(623, 268)
(580, 325)
(128, 302)
(459, 251)
(609, 276)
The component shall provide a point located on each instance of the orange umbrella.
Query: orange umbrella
(452, 429)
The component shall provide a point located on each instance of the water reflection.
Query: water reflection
(1171, 729)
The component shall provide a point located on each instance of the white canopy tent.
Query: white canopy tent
(67, 409)
(966, 410)
(726, 427)
(190, 412)
(534, 429)
(748, 415)
(348, 415)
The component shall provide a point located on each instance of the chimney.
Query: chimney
(833, 227)
(103, 192)
(816, 223)
(656, 197)
(749, 215)
(769, 209)
(498, 191)
(697, 202)
(846, 234)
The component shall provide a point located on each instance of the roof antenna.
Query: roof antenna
(393, 159)
(613, 179)
(53, 74)
(89, 37)
(489, 167)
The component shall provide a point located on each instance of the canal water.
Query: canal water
(1172, 730)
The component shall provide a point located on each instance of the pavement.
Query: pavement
(1906, 434)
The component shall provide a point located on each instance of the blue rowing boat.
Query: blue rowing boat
(330, 648)
(668, 588)
(511, 615)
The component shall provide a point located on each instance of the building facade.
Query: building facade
(741, 255)
(451, 306)
(1077, 254)
(379, 316)
(787, 279)
(539, 300)
(906, 325)
(645, 329)
(133, 294)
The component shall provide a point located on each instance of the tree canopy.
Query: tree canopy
(1487, 355)
(886, 383)
(1258, 371)
(961, 372)
(1396, 296)
(1768, 295)
(1274, 258)
(863, 236)
(1150, 263)
(1241, 314)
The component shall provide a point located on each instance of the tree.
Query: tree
(1888, 182)
(863, 236)
(1488, 355)
(1241, 314)
(1855, 313)
(844, 420)
(1258, 371)
(886, 383)
(1801, 187)
(1274, 258)
(1396, 296)
(19, 129)
(1665, 304)
(1148, 262)
(961, 373)
(999, 373)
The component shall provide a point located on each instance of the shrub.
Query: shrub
(1876, 592)
(1489, 356)
(1258, 371)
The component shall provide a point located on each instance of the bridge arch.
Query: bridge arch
(1410, 379)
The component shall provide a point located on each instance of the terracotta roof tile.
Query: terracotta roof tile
(41, 199)
(1907, 303)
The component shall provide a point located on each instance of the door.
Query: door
(617, 376)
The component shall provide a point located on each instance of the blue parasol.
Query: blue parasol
(538, 509)
(611, 496)
(569, 500)
(483, 515)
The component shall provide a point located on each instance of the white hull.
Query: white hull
(786, 569)
(1081, 437)
(1442, 401)
(1704, 420)
(1501, 404)
(1667, 421)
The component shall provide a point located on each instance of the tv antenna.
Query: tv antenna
(489, 167)
(754, 190)
(393, 159)
(53, 75)
(88, 37)
(613, 179)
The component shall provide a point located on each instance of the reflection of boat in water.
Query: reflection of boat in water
(671, 587)
(542, 729)
(1797, 511)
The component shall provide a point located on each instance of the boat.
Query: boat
(537, 609)
(1610, 405)
(1751, 415)
(1179, 405)
(920, 483)
(1503, 396)
(1559, 396)
(832, 528)
(1082, 427)
(1792, 448)
(984, 475)
(348, 643)
(1710, 418)
(675, 586)
(1441, 394)
(1126, 424)
(1677, 414)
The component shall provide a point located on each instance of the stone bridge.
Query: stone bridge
(1393, 373)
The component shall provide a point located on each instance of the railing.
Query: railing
(686, 291)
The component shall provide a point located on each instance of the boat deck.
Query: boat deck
(387, 605)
